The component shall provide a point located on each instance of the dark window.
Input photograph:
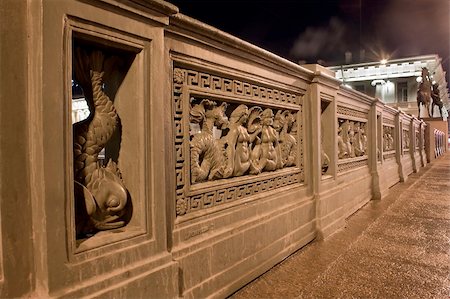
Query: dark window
(402, 92)
(360, 87)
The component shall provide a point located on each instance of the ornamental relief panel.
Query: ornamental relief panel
(218, 139)
(352, 141)
(388, 121)
(388, 138)
(406, 138)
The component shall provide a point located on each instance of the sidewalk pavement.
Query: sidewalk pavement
(398, 247)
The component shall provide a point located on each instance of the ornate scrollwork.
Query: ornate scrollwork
(352, 139)
(249, 141)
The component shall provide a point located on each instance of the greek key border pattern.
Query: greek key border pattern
(389, 156)
(388, 121)
(235, 87)
(217, 197)
(352, 164)
(186, 204)
(342, 110)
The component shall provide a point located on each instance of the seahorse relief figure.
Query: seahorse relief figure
(100, 194)
(207, 161)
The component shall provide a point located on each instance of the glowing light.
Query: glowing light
(419, 79)
(383, 61)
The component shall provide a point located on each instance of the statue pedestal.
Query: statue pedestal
(430, 143)
(433, 119)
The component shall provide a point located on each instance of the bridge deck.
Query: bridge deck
(398, 247)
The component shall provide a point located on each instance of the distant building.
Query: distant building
(395, 82)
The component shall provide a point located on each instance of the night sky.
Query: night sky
(322, 31)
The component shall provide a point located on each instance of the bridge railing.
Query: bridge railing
(225, 158)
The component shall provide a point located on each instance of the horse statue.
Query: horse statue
(435, 96)
(424, 92)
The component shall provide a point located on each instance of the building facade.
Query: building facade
(396, 81)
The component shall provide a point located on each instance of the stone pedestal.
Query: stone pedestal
(430, 144)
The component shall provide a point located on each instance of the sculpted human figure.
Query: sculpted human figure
(278, 124)
(264, 155)
(358, 140)
(206, 155)
(351, 137)
(424, 92)
(385, 138)
(390, 139)
(364, 137)
(435, 96)
(342, 147)
(347, 137)
(288, 143)
(237, 143)
(406, 139)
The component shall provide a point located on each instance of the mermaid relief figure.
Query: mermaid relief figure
(237, 143)
(264, 155)
(342, 146)
(358, 140)
(347, 135)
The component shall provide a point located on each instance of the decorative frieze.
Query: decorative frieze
(388, 138)
(223, 138)
(389, 155)
(233, 87)
(388, 121)
(406, 140)
(351, 164)
(349, 112)
(352, 141)
(204, 200)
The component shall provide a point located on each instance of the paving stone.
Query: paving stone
(398, 247)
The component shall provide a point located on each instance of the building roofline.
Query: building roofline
(391, 61)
